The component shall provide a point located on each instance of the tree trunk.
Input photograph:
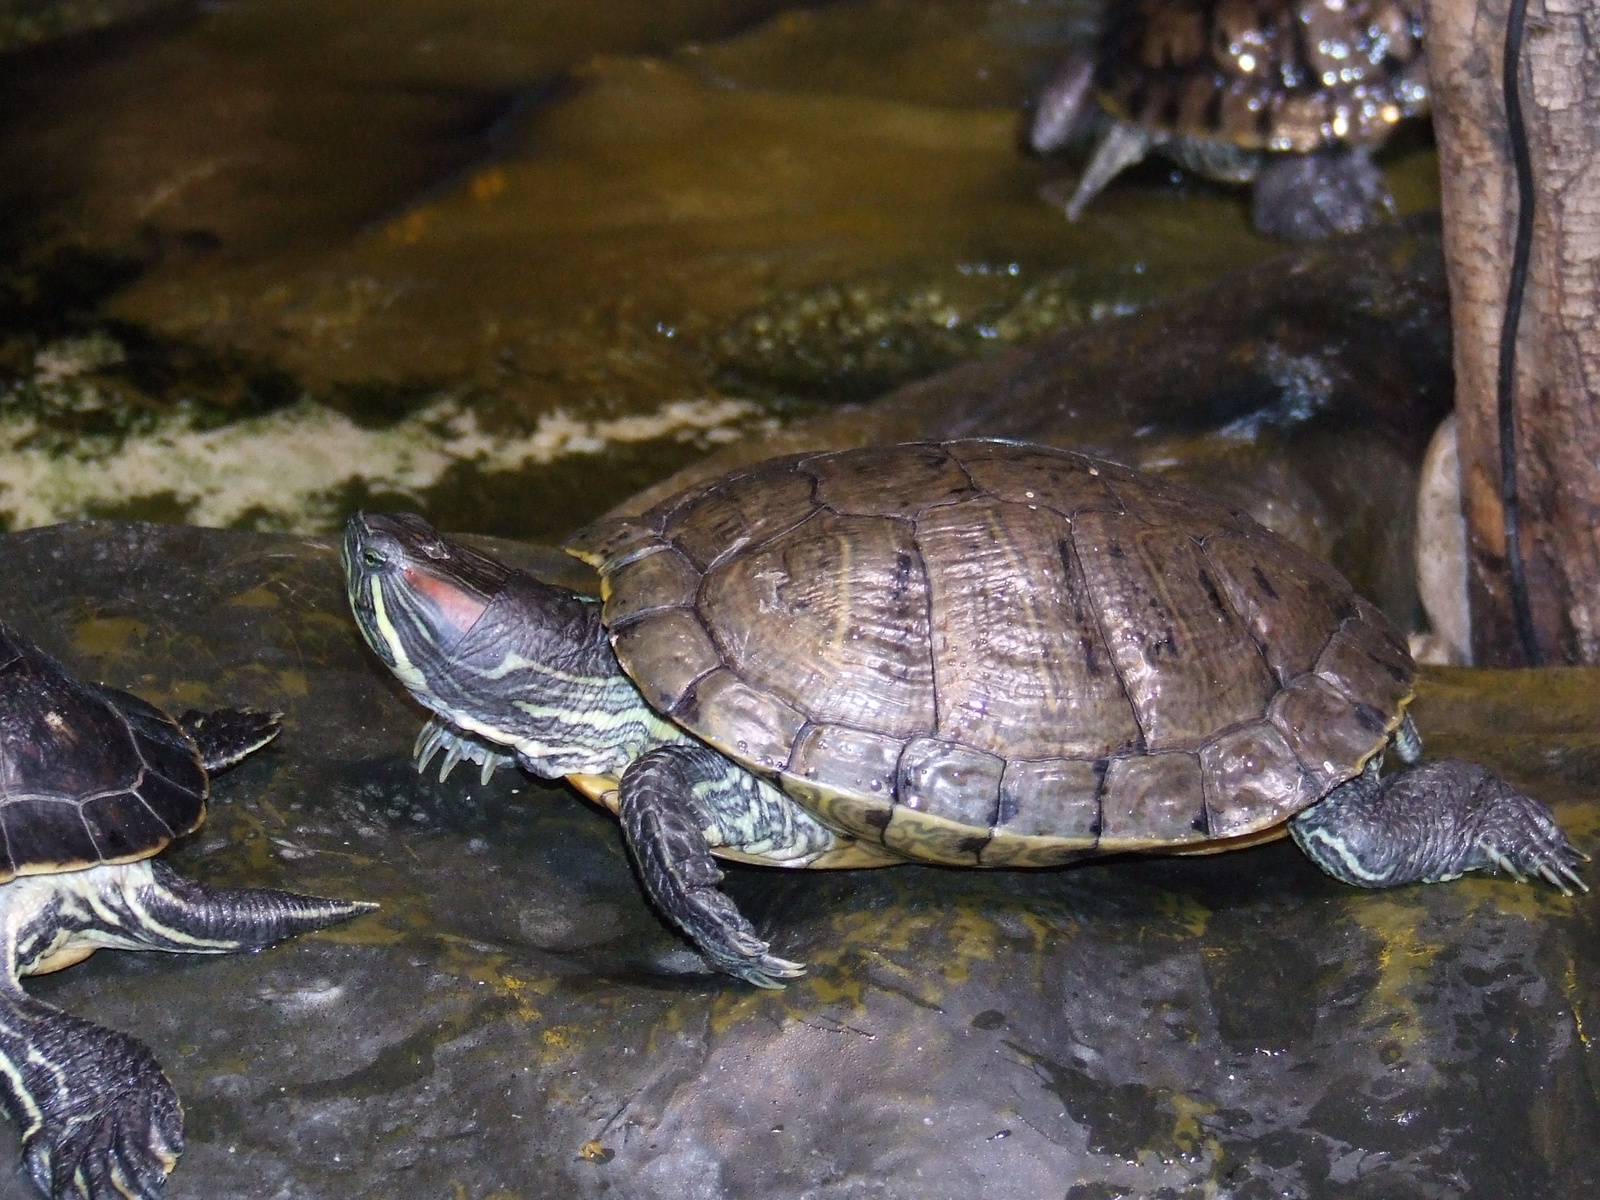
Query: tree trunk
(1558, 347)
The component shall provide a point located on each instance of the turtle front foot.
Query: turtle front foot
(111, 1128)
(438, 735)
(1434, 822)
(729, 943)
(665, 833)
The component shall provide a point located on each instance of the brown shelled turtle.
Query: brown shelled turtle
(1292, 95)
(975, 653)
(93, 783)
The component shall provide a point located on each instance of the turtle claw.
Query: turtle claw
(1519, 837)
(436, 736)
(769, 971)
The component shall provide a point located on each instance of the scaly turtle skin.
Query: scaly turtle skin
(973, 653)
(1293, 95)
(93, 782)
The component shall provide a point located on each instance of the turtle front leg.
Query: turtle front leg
(678, 801)
(98, 1117)
(438, 734)
(1434, 822)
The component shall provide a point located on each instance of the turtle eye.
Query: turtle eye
(373, 558)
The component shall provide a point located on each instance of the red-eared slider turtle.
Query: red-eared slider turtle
(1291, 94)
(93, 782)
(975, 653)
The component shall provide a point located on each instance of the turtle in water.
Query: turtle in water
(93, 783)
(975, 653)
(1292, 95)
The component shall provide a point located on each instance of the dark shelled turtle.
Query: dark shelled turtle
(1293, 95)
(973, 653)
(93, 782)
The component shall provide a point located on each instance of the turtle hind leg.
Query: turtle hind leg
(677, 801)
(168, 911)
(1303, 197)
(228, 735)
(98, 1116)
(1434, 822)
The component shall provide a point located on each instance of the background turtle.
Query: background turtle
(1291, 94)
(93, 782)
(974, 653)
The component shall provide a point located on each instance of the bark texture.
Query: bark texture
(1558, 346)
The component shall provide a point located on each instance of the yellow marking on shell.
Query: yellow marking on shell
(602, 789)
(65, 868)
(1244, 840)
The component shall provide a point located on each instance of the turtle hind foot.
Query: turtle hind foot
(1519, 837)
(227, 736)
(1435, 822)
(100, 1118)
(1304, 197)
(729, 943)
(665, 834)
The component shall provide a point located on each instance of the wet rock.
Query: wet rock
(516, 1023)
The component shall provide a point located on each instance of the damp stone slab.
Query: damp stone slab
(515, 1023)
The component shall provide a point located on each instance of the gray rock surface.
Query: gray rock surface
(515, 1023)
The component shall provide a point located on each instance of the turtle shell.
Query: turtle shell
(1283, 75)
(987, 653)
(88, 774)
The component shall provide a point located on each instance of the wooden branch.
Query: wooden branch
(1558, 348)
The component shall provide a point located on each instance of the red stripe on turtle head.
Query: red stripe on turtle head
(458, 606)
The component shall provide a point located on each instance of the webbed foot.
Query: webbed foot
(1519, 836)
(101, 1120)
(666, 837)
(1434, 822)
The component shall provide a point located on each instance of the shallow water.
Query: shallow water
(507, 264)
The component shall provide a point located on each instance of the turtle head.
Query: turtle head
(472, 639)
(414, 594)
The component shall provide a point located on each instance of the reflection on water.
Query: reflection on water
(510, 262)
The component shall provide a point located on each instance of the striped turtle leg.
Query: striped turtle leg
(678, 801)
(1434, 822)
(98, 1117)
(227, 735)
